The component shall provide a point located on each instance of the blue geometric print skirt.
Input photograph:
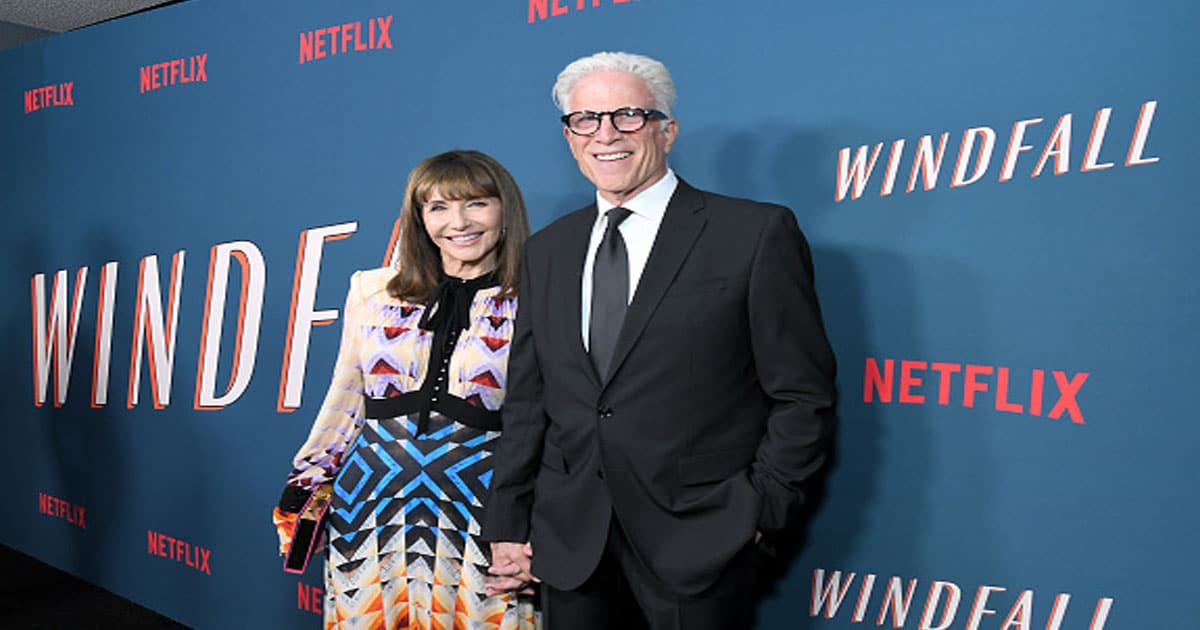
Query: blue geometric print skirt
(403, 528)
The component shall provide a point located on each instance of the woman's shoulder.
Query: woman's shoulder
(371, 283)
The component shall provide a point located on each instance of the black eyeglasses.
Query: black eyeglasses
(625, 120)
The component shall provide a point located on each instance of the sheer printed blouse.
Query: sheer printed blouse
(387, 365)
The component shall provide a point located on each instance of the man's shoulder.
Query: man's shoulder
(738, 209)
(742, 204)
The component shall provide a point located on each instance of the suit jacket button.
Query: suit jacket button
(600, 474)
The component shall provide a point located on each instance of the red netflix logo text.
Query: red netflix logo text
(164, 546)
(545, 9)
(60, 95)
(159, 75)
(310, 598)
(967, 384)
(69, 512)
(346, 38)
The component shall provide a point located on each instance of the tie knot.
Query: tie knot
(616, 216)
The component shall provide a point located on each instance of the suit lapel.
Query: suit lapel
(680, 227)
(570, 263)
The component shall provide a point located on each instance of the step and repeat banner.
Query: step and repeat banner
(1001, 200)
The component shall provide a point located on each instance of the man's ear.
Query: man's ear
(671, 129)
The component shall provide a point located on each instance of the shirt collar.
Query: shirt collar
(650, 203)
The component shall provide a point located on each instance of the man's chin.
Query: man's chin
(610, 187)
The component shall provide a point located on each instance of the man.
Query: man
(670, 386)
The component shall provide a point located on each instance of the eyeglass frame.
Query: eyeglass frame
(646, 114)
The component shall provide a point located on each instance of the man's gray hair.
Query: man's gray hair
(651, 71)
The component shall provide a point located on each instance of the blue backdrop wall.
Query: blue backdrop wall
(1000, 197)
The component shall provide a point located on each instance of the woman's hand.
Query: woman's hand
(285, 526)
(510, 569)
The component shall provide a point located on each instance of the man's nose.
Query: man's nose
(607, 131)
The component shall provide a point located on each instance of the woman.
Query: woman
(406, 429)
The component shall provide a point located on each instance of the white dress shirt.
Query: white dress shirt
(638, 230)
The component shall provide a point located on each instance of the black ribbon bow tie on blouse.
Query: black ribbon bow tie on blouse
(447, 313)
(449, 308)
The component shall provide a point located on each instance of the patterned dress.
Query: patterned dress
(406, 433)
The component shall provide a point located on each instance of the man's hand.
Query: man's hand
(510, 569)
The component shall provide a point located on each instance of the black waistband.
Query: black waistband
(416, 403)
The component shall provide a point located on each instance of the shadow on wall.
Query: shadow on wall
(96, 458)
(61, 451)
(74, 452)
(837, 519)
(870, 303)
(546, 207)
(149, 469)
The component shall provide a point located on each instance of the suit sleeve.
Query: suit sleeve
(340, 416)
(523, 419)
(795, 365)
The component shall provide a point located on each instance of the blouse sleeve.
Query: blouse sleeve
(340, 417)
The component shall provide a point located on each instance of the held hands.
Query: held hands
(511, 563)
(510, 569)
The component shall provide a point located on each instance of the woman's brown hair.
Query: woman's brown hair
(457, 175)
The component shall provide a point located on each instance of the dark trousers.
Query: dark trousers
(622, 595)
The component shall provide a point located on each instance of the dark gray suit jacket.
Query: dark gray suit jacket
(717, 410)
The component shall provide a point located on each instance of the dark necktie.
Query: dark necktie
(610, 293)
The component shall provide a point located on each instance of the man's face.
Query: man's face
(621, 165)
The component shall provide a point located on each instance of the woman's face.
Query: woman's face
(466, 231)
